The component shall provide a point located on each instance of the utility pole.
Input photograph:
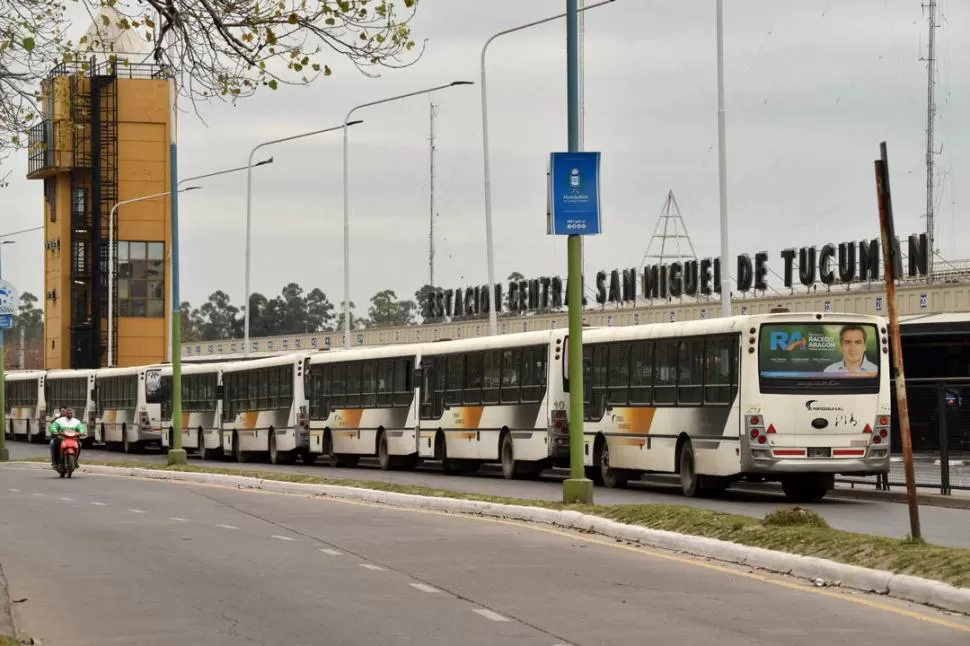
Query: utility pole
(890, 262)
(930, 122)
(432, 214)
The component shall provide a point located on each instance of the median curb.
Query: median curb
(6, 616)
(823, 572)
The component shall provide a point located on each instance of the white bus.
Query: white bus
(71, 389)
(125, 418)
(25, 414)
(795, 398)
(362, 403)
(495, 399)
(264, 409)
(201, 408)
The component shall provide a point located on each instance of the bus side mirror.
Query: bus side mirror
(418, 375)
(220, 391)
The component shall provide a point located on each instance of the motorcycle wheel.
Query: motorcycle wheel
(70, 464)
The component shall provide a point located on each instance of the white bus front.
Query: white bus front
(815, 400)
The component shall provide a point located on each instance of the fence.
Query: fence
(939, 420)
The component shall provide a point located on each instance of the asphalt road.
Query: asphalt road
(940, 525)
(105, 560)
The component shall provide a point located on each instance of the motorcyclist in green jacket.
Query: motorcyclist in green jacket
(66, 422)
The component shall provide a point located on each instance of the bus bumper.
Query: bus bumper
(558, 446)
(766, 464)
(150, 435)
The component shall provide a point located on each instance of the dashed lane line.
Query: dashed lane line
(371, 566)
(329, 552)
(227, 526)
(423, 587)
(282, 538)
(137, 511)
(98, 504)
(179, 519)
(490, 614)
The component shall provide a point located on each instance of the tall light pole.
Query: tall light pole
(4, 453)
(206, 175)
(249, 219)
(489, 249)
(111, 262)
(722, 162)
(347, 193)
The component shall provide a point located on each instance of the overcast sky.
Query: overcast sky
(812, 88)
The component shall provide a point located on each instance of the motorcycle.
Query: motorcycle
(70, 447)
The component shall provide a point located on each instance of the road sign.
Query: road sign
(9, 302)
(574, 194)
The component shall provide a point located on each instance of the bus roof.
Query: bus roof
(368, 352)
(268, 362)
(516, 339)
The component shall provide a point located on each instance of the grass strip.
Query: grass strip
(787, 529)
(9, 641)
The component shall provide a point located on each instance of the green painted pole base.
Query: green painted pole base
(577, 490)
(4, 455)
(177, 456)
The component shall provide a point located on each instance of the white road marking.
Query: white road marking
(14, 490)
(283, 538)
(65, 499)
(330, 552)
(371, 566)
(227, 526)
(137, 511)
(98, 504)
(39, 495)
(181, 520)
(490, 614)
(423, 587)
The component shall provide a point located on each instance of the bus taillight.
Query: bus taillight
(560, 423)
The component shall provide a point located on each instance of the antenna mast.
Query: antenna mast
(674, 230)
(432, 211)
(930, 121)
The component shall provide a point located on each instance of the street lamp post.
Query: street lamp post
(489, 253)
(347, 193)
(722, 162)
(4, 453)
(249, 220)
(111, 262)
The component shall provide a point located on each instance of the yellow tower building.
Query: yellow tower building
(104, 139)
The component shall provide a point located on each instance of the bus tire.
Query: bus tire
(448, 466)
(612, 478)
(125, 444)
(806, 488)
(691, 484)
(237, 452)
(275, 455)
(384, 458)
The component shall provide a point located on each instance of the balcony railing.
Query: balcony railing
(50, 149)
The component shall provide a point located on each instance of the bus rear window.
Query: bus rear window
(828, 356)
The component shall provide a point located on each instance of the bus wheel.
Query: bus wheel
(612, 478)
(383, 457)
(510, 468)
(275, 455)
(806, 488)
(125, 444)
(690, 482)
(237, 452)
(203, 452)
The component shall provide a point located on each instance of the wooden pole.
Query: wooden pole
(890, 262)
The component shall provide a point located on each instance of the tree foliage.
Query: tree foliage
(223, 49)
(294, 311)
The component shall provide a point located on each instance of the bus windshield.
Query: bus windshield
(825, 356)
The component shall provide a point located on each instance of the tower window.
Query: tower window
(141, 279)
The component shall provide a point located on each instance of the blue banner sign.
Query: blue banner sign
(574, 194)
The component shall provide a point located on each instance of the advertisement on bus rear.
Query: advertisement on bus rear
(818, 351)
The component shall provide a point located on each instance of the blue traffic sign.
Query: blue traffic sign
(574, 194)
(6, 321)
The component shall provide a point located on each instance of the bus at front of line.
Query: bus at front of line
(789, 397)
(264, 409)
(125, 418)
(201, 408)
(495, 399)
(362, 402)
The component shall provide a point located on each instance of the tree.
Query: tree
(31, 37)
(222, 49)
(220, 319)
(385, 309)
(424, 298)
